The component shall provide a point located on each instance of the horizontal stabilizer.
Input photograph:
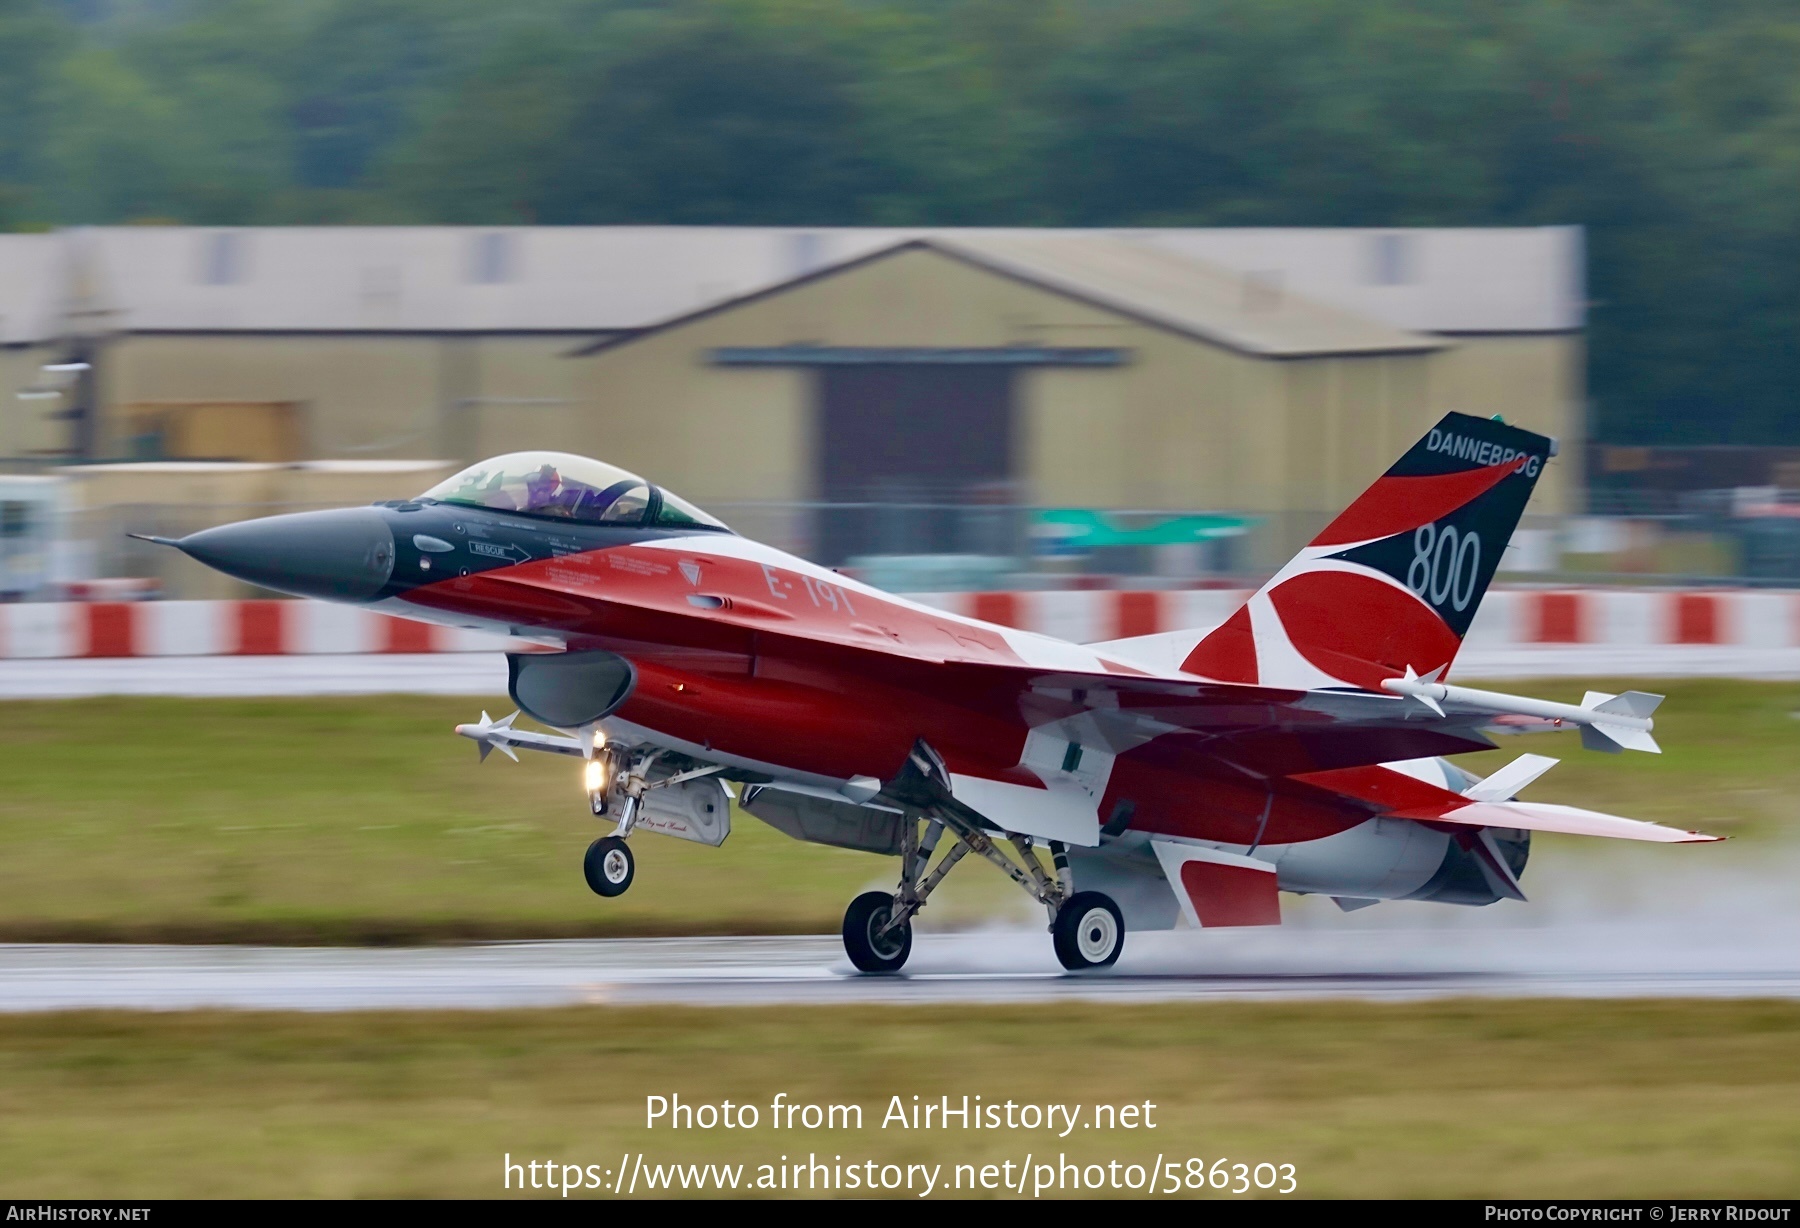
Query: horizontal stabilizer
(1568, 820)
(1510, 780)
(1407, 797)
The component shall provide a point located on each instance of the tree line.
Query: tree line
(1669, 128)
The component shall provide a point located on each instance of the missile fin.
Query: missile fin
(1611, 739)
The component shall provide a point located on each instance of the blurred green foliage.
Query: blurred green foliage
(1671, 128)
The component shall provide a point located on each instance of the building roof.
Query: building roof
(606, 279)
(1129, 277)
(1251, 312)
(30, 288)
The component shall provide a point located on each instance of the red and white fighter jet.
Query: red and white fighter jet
(1299, 747)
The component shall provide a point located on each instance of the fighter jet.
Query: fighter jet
(1303, 746)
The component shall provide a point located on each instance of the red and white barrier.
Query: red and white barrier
(1509, 618)
(220, 628)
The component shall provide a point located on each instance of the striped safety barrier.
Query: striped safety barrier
(1508, 618)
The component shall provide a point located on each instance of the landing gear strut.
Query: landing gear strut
(1086, 927)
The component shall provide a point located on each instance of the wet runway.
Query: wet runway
(482, 673)
(1594, 961)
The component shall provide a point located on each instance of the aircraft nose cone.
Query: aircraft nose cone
(340, 555)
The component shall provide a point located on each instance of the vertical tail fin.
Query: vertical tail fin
(1393, 583)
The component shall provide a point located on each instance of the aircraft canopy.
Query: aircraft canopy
(563, 486)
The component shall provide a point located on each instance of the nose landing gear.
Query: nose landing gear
(609, 866)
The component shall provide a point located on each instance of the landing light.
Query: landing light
(596, 776)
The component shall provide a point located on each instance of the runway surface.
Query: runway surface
(481, 673)
(1593, 961)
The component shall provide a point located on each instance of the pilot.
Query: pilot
(540, 489)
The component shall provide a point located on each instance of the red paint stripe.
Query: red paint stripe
(261, 628)
(405, 635)
(1006, 609)
(1559, 618)
(1396, 504)
(1697, 618)
(1137, 614)
(111, 629)
(1231, 895)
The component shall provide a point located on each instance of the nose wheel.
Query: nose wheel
(609, 866)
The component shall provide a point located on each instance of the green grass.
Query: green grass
(366, 820)
(1460, 1099)
(358, 820)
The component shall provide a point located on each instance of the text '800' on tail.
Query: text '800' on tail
(1393, 583)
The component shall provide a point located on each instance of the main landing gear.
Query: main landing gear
(1086, 927)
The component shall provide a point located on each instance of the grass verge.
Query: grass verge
(364, 820)
(1517, 1099)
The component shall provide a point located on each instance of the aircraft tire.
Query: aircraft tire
(609, 866)
(866, 914)
(1089, 932)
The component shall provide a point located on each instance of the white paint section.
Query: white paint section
(1043, 652)
(1278, 662)
(1047, 749)
(1161, 653)
(1061, 812)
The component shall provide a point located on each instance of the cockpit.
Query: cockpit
(562, 486)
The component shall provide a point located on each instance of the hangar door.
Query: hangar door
(927, 450)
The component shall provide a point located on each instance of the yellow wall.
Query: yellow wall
(360, 396)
